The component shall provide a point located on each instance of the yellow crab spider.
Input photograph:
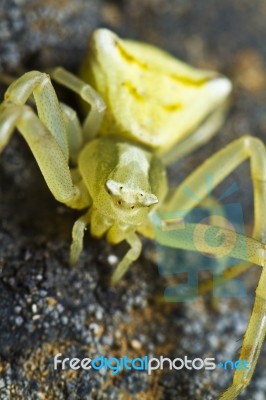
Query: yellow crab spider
(144, 110)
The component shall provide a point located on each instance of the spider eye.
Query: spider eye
(132, 207)
(119, 202)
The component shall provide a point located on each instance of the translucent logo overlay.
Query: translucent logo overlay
(208, 233)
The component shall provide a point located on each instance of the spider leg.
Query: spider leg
(253, 340)
(78, 230)
(89, 95)
(45, 134)
(39, 85)
(73, 131)
(222, 164)
(131, 256)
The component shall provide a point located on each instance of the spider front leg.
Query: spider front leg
(46, 134)
(221, 164)
(89, 95)
(39, 85)
(132, 255)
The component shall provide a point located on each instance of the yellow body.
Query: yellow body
(150, 96)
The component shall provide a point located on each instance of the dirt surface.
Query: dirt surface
(48, 308)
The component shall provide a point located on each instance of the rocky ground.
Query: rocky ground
(46, 307)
